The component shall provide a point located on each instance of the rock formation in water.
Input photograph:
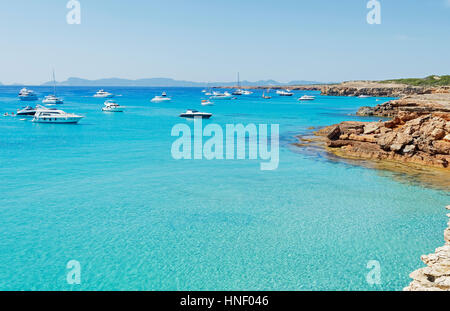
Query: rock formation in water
(436, 275)
(409, 137)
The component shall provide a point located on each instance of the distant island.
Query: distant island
(167, 82)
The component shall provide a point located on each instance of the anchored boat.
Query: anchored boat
(55, 116)
(190, 113)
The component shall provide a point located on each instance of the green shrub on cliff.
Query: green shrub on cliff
(428, 81)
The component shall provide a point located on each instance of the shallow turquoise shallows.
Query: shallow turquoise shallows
(108, 193)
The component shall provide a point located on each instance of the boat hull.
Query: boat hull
(68, 120)
(221, 97)
(52, 102)
(190, 116)
(104, 96)
(28, 99)
(112, 110)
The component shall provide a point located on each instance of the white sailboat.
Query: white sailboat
(52, 99)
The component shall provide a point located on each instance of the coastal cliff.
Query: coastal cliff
(436, 275)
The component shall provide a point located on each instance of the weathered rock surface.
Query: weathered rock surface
(436, 275)
(409, 137)
(420, 104)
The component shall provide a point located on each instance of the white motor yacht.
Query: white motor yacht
(27, 95)
(285, 93)
(218, 95)
(364, 96)
(55, 116)
(103, 94)
(246, 92)
(162, 98)
(112, 106)
(190, 113)
(307, 97)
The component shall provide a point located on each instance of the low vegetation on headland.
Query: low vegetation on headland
(433, 80)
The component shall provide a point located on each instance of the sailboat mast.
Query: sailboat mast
(54, 83)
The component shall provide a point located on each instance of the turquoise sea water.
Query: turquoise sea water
(107, 193)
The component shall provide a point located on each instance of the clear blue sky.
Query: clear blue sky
(210, 40)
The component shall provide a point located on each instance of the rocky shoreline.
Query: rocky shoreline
(436, 276)
(377, 89)
(418, 133)
(359, 88)
(408, 138)
(420, 104)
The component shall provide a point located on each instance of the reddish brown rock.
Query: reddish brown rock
(410, 138)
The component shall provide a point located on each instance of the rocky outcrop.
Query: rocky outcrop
(409, 138)
(377, 89)
(421, 104)
(436, 275)
(374, 91)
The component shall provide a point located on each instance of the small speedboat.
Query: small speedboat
(207, 103)
(55, 116)
(103, 94)
(246, 92)
(307, 97)
(27, 95)
(52, 100)
(162, 98)
(112, 106)
(190, 113)
(364, 96)
(285, 93)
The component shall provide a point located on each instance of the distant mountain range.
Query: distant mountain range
(160, 82)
